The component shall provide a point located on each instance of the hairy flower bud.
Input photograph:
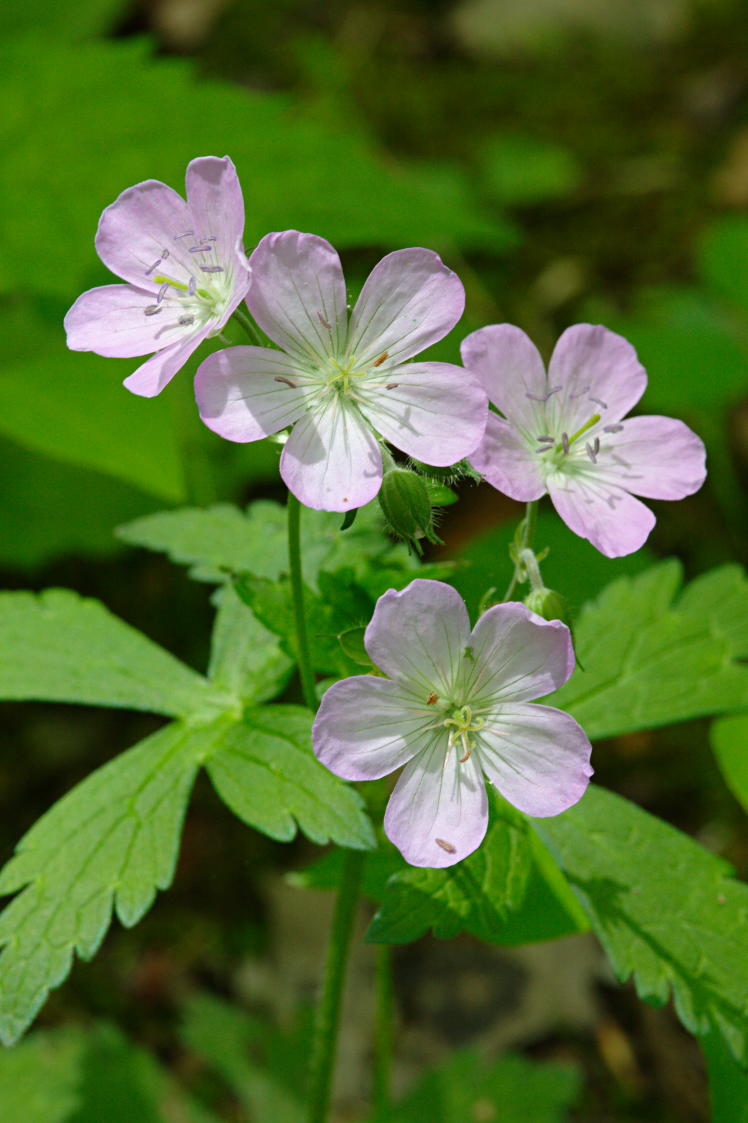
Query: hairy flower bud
(548, 603)
(406, 505)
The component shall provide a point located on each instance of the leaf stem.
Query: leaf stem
(303, 660)
(244, 319)
(382, 1034)
(328, 1011)
(526, 533)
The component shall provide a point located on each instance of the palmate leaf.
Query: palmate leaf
(651, 660)
(665, 910)
(58, 646)
(245, 658)
(729, 737)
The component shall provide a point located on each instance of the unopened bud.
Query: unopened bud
(548, 603)
(405, 503)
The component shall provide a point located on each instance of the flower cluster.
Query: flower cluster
(342, 386)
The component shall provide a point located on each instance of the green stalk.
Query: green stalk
(382, 1035)
(303, 659)
(528, 525)
(243, 318)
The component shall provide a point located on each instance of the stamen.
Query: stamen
(596, 445)
(191, 287)
(599, 402)
(448, 846)
(155, 265)
(565, 443)
(580, 393)
(545, 439)
(152, 310)
(288, 382)
(378, 362)
(392, 386)
(324, 322)
(591, 452)
(432, 699)
(612, 428)
(185, 320)
(164, 254)
(553, 390)
(546, 396)
(162, 292)
(200, 249)
(187, 234)
(210, 238)
(212, 268)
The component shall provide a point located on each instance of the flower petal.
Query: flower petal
(507, 463)
(435, 411)
(240, 396)
(512, 373)
(538, 758)
(613, 521)
(331, 461)
(111, 321)
(598, 372)
(151, 377)
(142, 227)
(367, 727)
(418, 635)
(298, 295)
(438, 812)
(409, 301)
(657, 457)
(516, 655)
(215, 201)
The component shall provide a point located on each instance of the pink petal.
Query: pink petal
(409, 301)
(657, 457)
(435, 411)
(517, 655)
(111, 321)
(537, 757)
(598, 372)
(418, 635)
(331, 461)
(510, 368)
(438, 812)
(136, 229)
(507, 463)
(298, 295)
(613, 521)
(151, 377)
(215, 200)
(239, 396)
(367, 727)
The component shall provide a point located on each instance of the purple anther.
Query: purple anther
(565, 443)
(187, 234)
(210, 238)
(599, 402)
(164, 254)
(580, 393)
(392, 386)
(324, 322)
(200, 249)
(185, 320)
(596, 445)
(152, 310)
(553, 390)
(212, 268)
(191, 287)
(591, 452)
(537, 397)
(546, 438)
(612, 428)
(155, 265)
(162, 292)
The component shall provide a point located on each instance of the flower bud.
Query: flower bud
(548, 603)
(405, 503)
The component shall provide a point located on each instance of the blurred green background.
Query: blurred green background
(571, 160)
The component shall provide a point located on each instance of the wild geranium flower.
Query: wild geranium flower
(339, 381)
(185, 269)
(453, 710)
(563, 432)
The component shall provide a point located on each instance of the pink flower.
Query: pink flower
(453, 710)
(563, 433)
(341, 382)
(185, 269)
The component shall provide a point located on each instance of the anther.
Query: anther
(288, 382)
(212, 268)
(553, 390)
(162, 292)
(432, 699)
(324, 322)
(448, 846)
(469, 749)
(612, 428)
(565, 443)
(152, 309)
(537, 397)
(392, 386)
(599, 402)
(596, 445)
(545, 439)
(580, 393)
(378, 362)
(187, 234)
(191, 287)
(200, 249)
(592, 452)
(185, 320)
(155, 265)
(164, 254)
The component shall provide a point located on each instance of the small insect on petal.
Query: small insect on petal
(378, 362)
(432, 699)
(448, 846)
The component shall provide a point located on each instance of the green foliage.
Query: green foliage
(512, 1089)
(728, 1082)
(519, 170)
(68, 1076)
(265, 771)
(729, 737)
(60, 647)
(245, 658)
(68, 21)
(649, 661)
(666, 911)
(722, 257)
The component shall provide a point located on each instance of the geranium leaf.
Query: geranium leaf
(245, 658)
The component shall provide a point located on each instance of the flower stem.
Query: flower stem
(526, 535)
(244, 319)
(328, 1011)
(304, 663)
(382, 1035)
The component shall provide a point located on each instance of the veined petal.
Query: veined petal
(434, 411)
(438, 812)
(331, 461)
(409, 301)
(367, 727)
(512, 373)
(537, 757)
(516, 655)
(215, 201)
(418, 635)
(140, 229)
(111, 321)
(613, 521)
(598, 372)
(657, 457)
(243, 393)
(298, 295)
(507, 463)
(151, 377)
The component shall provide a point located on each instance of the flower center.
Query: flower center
(198, 298)
(340, 376)
(461, 724)
(557, 451)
